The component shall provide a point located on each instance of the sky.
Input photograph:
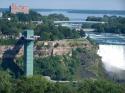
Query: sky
(68, 4)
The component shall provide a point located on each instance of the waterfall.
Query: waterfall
(113, 58)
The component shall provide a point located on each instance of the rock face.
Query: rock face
(43, 49)
(4, 48)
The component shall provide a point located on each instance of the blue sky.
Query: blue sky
(68, 4)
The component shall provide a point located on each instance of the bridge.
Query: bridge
(76, 24)
(79, 22)
(37, 22)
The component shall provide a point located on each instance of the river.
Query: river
(111, 46)
(112, 52)
(72, 16)
(76, 15)
(113, 58)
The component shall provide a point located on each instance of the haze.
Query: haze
(68, 4)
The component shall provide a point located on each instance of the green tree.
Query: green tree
(35, 84)
(99, 86)
(5, 82)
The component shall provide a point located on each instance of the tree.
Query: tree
(35, 84)
(57, 67)
(99, 86)
(57, 17)
(5, 82)
(113, 24)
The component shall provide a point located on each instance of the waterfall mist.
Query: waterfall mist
(113, 58)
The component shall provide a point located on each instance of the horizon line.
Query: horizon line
(74, 9)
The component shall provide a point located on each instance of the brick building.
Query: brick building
(14, 9)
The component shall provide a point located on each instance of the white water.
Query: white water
(113, 58)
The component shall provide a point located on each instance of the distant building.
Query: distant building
(14, 9)
(1, 14)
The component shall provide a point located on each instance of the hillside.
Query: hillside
(63, 59)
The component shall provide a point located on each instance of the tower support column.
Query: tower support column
(28, 52)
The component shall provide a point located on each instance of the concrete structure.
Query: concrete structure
(28, 52)
(29, 38)
(14, 9)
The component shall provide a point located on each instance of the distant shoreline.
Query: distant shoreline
(120, 12)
